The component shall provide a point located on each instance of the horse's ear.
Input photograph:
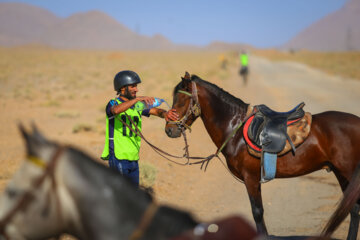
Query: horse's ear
(37, 135)
(187, 76)
(186, 79)
(24, 133)
(32, 141)
(27, 137)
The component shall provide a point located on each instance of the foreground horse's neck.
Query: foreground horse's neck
(99, 196)
(220, 111)
(102, 196)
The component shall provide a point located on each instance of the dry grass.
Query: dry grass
(70, 74)
(148, 174)
(346, 64)
(83, 127)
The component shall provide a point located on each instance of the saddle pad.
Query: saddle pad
(298, 131)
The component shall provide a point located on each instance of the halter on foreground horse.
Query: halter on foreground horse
(61, 190)
(331, 143)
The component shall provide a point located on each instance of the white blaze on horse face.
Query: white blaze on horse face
(19, 185)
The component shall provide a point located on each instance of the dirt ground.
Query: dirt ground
(297, 206)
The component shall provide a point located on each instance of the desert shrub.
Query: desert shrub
(67, 114)
(51, 103)
(83, 127)
(148, 174)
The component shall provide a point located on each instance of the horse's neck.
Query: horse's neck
(220, 117)
(101, 196)
(92, 186)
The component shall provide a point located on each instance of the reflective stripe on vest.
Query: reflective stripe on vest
(125, 143)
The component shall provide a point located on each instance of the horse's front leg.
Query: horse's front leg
(254, 191)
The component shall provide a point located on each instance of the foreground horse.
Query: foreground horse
(332, 142)
(62, 190)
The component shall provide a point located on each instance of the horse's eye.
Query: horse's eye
(11, 192)
(181, 104)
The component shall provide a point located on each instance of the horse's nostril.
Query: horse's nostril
(168, 131)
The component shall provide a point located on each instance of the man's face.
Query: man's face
(129, 91)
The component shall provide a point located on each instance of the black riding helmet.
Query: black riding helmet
(124, 78)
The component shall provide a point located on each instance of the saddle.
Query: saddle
(269, 134)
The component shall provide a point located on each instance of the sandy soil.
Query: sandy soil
(298, 206)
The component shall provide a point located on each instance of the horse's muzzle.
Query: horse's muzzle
(173, 131)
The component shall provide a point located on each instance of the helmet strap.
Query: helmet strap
(126, 93)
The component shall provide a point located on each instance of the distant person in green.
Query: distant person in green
(122, 146)
(244, 69)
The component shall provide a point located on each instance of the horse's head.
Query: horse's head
(27, 206)
(186, 103)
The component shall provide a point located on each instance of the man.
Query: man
(122, 146)
(244, 61)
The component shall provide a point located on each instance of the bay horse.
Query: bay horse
(60, 189)
(332, 141)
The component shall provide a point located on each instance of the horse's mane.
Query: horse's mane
(217, 91)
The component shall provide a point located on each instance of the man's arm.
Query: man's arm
(170, 115)
(116, 109)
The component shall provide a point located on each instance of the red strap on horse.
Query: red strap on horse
(246, 128)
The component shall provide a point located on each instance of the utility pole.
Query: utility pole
(348, 39)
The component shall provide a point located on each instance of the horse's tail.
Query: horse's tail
(351, 196)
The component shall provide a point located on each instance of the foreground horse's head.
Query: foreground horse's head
(26, 198)
(186, 103)
(62, 190)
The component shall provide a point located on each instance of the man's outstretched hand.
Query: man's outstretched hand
(171, 115)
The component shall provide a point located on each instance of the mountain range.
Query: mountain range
(338, 31)
(22, 24)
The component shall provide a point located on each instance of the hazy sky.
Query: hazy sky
(262, 23)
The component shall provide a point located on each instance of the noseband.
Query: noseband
(193, 108)
(28, 197)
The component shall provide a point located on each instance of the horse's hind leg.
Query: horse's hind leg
(254, 190)
(354, 222)
(354, 212)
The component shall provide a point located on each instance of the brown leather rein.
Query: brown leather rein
(28, 196)
(193, 108)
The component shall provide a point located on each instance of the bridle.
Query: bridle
(28, 197)
(145, 221)
(193, 108)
